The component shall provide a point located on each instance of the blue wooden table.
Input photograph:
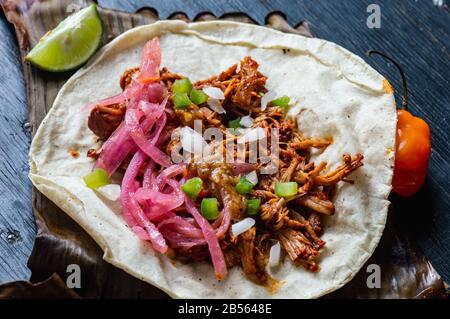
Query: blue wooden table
(416, 33)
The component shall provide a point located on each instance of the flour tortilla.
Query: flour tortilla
(339, 96)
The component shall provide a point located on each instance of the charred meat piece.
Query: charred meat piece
(317, 204)
(247, 244)
(196, 253)
(254, 256)
(250, 85)
(127, 76)
(224, 185)
(262, 249)
(308, 143)
(165, 76)
(169, 77)
(232, 257)
(263, 194)
(289, 172)
(350, 164)
(273, 213)
(298, 247)
(228, 73)
(104, 119)
(218, 80)
(241, 87)
(308, 230)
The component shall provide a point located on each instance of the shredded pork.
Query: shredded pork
(295, 222)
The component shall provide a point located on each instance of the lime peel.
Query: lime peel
(71, 43)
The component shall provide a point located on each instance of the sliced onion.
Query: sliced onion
(268, 97)
(252, 135)
(246, 121)
(192, 141)
(242, 226)
(110, 191)
(274, 255)
(216, 106)
(214, 92)
(252, 177)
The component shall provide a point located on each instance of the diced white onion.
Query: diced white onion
(274, 255)
(268, 97)
(242, 226)
(216, 106)
(238, 68)
(246, 121)
(192, 141)
(252, 135)
(252, 177)
(110, 191)
(214, 92)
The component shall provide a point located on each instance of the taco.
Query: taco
(223, 160)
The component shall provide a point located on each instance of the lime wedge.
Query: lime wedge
(71, 43)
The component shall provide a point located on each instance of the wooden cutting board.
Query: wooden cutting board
(60, 241)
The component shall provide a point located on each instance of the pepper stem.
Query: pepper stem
(402, 74)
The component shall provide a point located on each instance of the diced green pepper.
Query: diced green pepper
(97, 178)
(192, 187)
(286, 189)
(181, 100)
(182, 86)
(244, 186)
(209, 208)
(253, 206)
(198, 97)
(281, 101)
(236, 123)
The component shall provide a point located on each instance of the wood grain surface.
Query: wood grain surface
(17, 229)
(415, 33)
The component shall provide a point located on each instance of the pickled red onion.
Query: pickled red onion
(116, 99)
(150, 61)
(217, 257)
(152, 113)
(178, 240)
(132, 211)
(181, 226)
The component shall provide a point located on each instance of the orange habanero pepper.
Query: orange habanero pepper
(413, 146)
